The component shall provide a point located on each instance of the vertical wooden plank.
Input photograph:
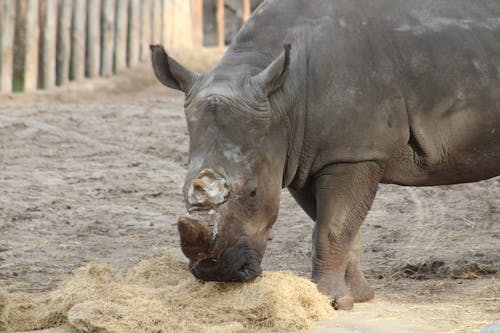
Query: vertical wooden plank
(220, 23)
(49, 45)
(77, 71)
(182, 36)
(134, 33)
(121, 35)
(157, 18)
(146, 29)
(168, 20)
(165, 21)
(64, 42)
(31, 52)
(197, 22)
(93, 38)
(246, 10)
(108, 36)
(7, 45)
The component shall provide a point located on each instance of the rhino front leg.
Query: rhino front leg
(360, 289)
(344, 194)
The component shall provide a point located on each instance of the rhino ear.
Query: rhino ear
(274, 75)
(170, 72)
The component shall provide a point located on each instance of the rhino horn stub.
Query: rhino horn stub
(200, 236)
(208, 189)
(196, 239)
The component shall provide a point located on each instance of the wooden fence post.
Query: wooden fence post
(246, 10)
(108, 38)
(167, 24)
(156, 15)
(182, 25)
(134, 44)
(220, 23)
(49, 45)
(78, 41)
(7, 28)
(64, 42)
(93, 38)
(31, 50)
(121, 35)
(145, 29)
(197, 22)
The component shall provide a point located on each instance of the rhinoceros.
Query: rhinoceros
(329, 99)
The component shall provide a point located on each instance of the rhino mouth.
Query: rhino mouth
(239, 263)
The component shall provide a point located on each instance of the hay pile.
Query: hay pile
(160, 295)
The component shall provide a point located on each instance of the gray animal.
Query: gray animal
(329, 99)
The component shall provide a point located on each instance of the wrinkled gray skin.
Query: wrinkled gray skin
(389, 91)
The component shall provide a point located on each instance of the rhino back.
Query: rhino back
(413, 84)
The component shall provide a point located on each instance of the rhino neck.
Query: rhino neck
(288, 107)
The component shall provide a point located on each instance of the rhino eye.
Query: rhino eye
(252, 202)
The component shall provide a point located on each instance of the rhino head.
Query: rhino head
(237, 155)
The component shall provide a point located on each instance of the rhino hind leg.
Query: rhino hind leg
(344, 194)
(360, 289)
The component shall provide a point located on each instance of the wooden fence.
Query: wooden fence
(47, 43)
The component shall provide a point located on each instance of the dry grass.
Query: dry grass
(161, 295)
(431, 269)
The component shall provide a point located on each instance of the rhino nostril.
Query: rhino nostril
(247, 272)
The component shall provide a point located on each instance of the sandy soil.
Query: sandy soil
(93, 173)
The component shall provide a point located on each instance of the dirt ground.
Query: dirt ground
(93, 173)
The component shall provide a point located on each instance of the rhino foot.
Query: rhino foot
(359, 288)
(362, 294)
(343, 303)
(334, 286)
